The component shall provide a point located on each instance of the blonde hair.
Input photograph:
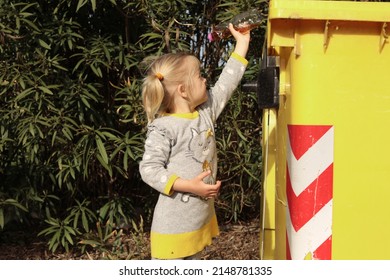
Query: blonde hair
(163, 77)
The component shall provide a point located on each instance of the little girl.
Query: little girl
(180, 159)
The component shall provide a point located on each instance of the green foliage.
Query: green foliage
(238, 135)
(8, 207)
(61, 234)
(105, 239)
(80, 213)
(71, 119)
(114, 211)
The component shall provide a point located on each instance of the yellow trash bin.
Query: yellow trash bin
(326, 146)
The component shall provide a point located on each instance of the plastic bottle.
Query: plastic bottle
(242, 22)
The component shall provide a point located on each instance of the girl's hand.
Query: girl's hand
(242, 41)
(197, 186)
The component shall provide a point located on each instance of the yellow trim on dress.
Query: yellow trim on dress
(239, 58)
(168, 187)
(192, 115)
(174, 246)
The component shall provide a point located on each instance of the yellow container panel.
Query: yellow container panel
(332, 179)
(267, 234)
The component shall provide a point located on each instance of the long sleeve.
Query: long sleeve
(226, 84)
(155, 159)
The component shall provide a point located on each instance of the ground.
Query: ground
(239, 241)
(236, 242)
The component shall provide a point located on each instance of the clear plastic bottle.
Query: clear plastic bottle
(242, 22)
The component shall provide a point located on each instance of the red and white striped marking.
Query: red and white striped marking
(309, 191)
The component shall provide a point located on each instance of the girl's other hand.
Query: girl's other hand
(197, 186)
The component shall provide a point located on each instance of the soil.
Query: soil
(238, 241)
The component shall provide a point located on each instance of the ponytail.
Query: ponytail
(163, 75)
(152, 96)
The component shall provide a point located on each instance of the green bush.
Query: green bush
(71, 119)
(238, 136)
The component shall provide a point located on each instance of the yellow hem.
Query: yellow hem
(174, 246)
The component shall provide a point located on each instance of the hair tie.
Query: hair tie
(159, 76)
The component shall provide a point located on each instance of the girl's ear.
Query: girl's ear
(181, 89)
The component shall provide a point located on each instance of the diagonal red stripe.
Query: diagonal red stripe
(324, 251)
(303, 207)
(303, 137)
